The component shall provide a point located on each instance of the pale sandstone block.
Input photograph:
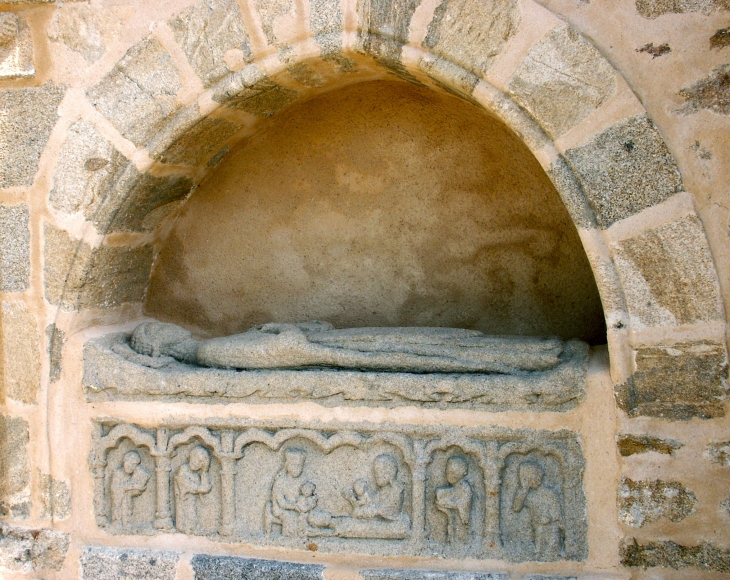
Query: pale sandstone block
(138, 95)
(26, 550)
(123, 564)
(21, 352)
(14, 248)
(14, 467)
(562, 80)
(16, 47)
(643, 502)
(206, 32)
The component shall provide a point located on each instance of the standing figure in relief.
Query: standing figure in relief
(128, 481)
(543, 505)
(455, 500)
(191, 481)
(283, 508)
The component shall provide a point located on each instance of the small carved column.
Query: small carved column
(163, 467)
(419, 493)
(492, 483)
(228, 489)
(98, 467)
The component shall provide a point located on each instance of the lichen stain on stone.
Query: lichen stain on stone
(672, 555)
(711, 93)
(655, 51)
(635, 444)
(720, 39)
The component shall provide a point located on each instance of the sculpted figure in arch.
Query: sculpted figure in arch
(320, 345)
(191, 481)
(455, 500)
(288, 499)
(128, 481)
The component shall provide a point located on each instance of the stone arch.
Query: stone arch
(180, 98)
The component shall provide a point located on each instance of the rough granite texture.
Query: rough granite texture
(138, 95)
(719, 452)
(20, 352)
(16, 47)
(263, 99)
(635, 444)
(643, 502)
(562, 80)
(668, 275)
(472, 33)
(656, 8)
(127, 564)
(626, 169)
(26, 550)
(14, 467)
(200, 142)
(86, 163)
(325, 22)
(676, 381)
(77, 276)
(14, 248)
(55, 339)
(230, 568)
(429, 575)
(55, 498)
(206, 32)
(572, 194)
(712, 93)
(705, 557)
(272, 13)
(28, 117)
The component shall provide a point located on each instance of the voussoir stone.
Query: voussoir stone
(429, 575)
(138, 95)
(28, 117)
(14, 247)
(206, 32)
(642, 502)
(472, 33)
(562, 80)
(14, 467)
(626, 169)
(668, 275)
(231, 568)
(20, 352)
(200, 143)
(325, 22)
(263, 98)
(124, 564)
(26, 550)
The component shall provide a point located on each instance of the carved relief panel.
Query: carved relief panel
(458, 492)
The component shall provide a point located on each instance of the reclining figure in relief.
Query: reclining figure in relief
(319, 345)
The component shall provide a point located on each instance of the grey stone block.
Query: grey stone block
(127, 564)
(206, 32)
(704, 557)
(200, 142)
(635, 444)
(472, 33)
(429, 575)
(26, 550)
(642, 502)
(270, 12)
(325, 22)
(55, 497)
(626, 169)
(572, 194)
(29, 116)
(14, 248)
(676, 381)
(263, 99)
(14, 467)
(230, 568)
(16, 47)
(668, 275)
(20, 352)
(77, 276)
(562, 80)
(138, 95)
(450, 77)
(56, 339)
(86, 163)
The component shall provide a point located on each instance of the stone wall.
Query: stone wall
(112, 115)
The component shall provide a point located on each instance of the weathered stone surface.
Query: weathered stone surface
(705, 557)
(384, 489)
(20, 352)
(721, 38)
(325, 22)
(206, 32)
(111, 371)
(14, 248)
(25, 550)
(472, 33)
(668, 275)
(429, 575)
(138, 95)
(55, 338)
(77, 28)
(28, 117)
(14, 467)
(77, 276)
(719, 452)
(655, 8)
(642, 502)
(306, 75)
(450, 77)
(86, 163)
(273, 13)
(676, 381)
(16, 47)
(712, 93)
(383, 30)
(572, 194)
(229, 568)
(262, 99)
(562, 80)
(138, 202)
(198, 144)
(55, 497)
(635, 444)
(626, 169)
(124, 564)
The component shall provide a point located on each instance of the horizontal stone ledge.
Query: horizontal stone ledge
(232, 568)
(109, 375)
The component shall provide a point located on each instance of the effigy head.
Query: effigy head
(530, 475)
(157, 338)
(456, 469)
(385, 469)
(199, 459)
(294, 460)
(130, 462)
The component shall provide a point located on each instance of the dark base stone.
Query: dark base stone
(228, 568)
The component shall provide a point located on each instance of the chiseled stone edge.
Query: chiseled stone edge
(207, 567)
(109, 376)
